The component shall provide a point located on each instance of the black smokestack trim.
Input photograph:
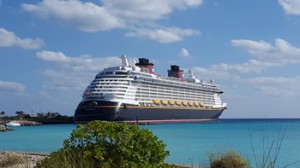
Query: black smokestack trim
(143, 62)
(175, 68)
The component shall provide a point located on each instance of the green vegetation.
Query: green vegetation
(10, 160)
(270, 152)
(19, 115)
(105, 144)
(228, 160)
(45, 118)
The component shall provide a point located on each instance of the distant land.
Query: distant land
(44, 118)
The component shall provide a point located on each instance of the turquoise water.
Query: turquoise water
(188, 143)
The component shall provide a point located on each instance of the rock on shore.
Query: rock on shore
(3, 127)
(28, 123)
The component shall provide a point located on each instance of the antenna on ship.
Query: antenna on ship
(192, 77)
(133, 63)
(124, 61)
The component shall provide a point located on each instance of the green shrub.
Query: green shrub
(106, 144)
(65, 158)
(227, 160)
(12, 159)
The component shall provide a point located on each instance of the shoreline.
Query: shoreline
(30, 159)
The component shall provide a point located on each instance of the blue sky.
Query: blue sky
(50, 50)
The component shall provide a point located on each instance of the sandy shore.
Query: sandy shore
(29, 160)
(20, 159)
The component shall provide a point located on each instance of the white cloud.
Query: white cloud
(112, 14)
(278, 86)
(252, 46)
(246, 67)
(266, 55)
(9, 39)
(73, 72)
(291, 7)
(163, 35)
(11, 86)
(86, 16)
(184, 53)
(52, 56)
(282, 51)
(207, 74)
(139, 10)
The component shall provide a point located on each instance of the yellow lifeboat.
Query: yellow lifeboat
(201, 104)
(196, 104)
(155, 101)
(164, 102)
(171, 102)
(190, 103)
(178, 103)
(184, 103)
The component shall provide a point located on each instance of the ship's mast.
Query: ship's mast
(125, 62)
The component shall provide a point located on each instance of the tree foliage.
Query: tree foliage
(121, 145)
(22, 115)
(48, 115)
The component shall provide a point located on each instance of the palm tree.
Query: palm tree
(40, 115)
(20, 114)
(2, 113)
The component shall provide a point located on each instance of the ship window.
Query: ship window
(108, 73)
(121, 73)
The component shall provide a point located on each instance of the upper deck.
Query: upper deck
(142, 74)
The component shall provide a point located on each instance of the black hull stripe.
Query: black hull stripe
(110, 111)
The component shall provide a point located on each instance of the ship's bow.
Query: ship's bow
(95, 110)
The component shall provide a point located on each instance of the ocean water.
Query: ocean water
(188, 143)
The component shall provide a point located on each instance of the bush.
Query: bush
(227, 160)
(105, 144)
(12, 159)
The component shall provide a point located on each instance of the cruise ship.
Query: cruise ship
(132, 92)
